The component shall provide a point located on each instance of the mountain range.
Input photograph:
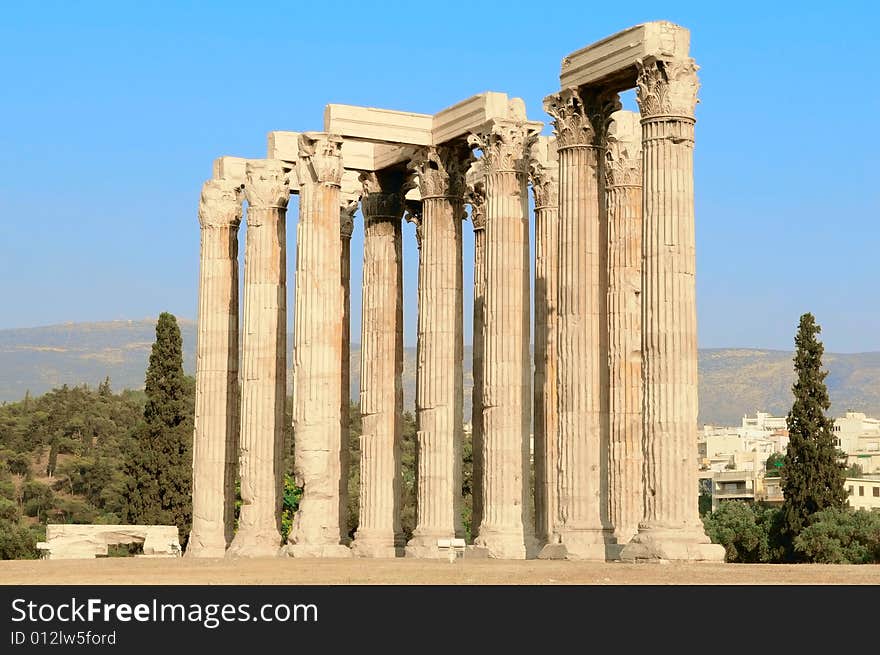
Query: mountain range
(733, 381)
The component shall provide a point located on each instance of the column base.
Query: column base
(337, 551)
(665, 544)
(254, 544)
(379, 550)
(624, 535)
(499, 545)
(587, 545)
(424, 546)
(201, 550)
(206, 543)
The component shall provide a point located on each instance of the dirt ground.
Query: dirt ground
(147, 571)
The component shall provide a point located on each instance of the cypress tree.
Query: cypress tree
(812, 476)
(159, 466)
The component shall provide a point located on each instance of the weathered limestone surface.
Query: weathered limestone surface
(544, 170)
(671, 527)
(317, 530)
(476, 197)
(347, 211)
(379, 532)
(71, 541)
(612, 63)
(583, 527)
(623, 189)
(264, 360)
(439, 383)
(506, 528)
(215, 436)
(392, 130)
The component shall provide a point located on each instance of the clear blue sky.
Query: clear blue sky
(112, 113)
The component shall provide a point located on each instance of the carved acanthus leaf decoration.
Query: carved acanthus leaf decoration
(475, 195)
(623, 154)
(667, 88)
(414, 215)
(505, 145)
(347, 211)
(600, 105)
(571, 125)
(544, 172)
(380, 200)
(267, 184)
(320, 159)
(441, 170)
(220, 204)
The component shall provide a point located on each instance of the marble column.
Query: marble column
(476, 197)
(379, 532)
(544, 169)
(317, 352)
(347, 210)
(583, 530)
(215, 437)
(671, 528)
(506, 530)
(439, 386)
(264, 360)
(623, 192)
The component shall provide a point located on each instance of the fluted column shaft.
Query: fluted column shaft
(379, 532)
(506, 528)
(439, 390)
(583, 526)
(346, 222)
(545, 185)
(477, 472)
(215, 436)
(671, 527)
(623, 172)
(263, 367)
(318, 352)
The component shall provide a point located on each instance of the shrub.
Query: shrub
(17, 541)
(841, 536)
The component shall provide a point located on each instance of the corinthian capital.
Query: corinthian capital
(623, 154)
(220, 204)
(347, 211)
(475, 195)
(319, 159)
(581, 118)
(505, 144)
(266, 184)
(414, 215)
(667, 88)
(544, 172)
(571, 125)
(382, 195)
(441, 170)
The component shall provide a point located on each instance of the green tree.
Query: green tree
(16, 541)
(159, 465)
(104, 388)
(812, 476)
(855, 471)
(841, 536)
(774, 464)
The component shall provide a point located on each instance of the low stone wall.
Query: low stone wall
(71, 541)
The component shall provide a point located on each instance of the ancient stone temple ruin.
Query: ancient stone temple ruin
(604, 417)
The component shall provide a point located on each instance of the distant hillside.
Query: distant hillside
(733, 382)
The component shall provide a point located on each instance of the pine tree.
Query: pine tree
(812, 476)
(159, 466)
(104, 388)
